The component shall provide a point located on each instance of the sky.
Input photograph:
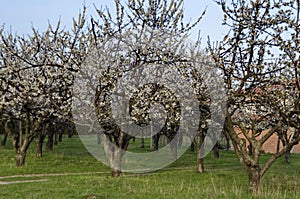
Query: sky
(20, 15)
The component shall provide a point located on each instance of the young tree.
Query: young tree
(252, 56)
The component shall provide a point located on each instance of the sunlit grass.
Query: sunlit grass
(224, 177)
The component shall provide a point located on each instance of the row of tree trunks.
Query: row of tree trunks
(24, 132)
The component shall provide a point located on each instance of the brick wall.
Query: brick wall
(270, 146)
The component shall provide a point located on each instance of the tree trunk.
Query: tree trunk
(287, 156)
(21, 155)
(114, 155)
(162, 140)
(173, 141)
(143, 143)
(155, 141)
(200, 162)
(227, 138)
(192, 146)
(116, 163)
(39, 145)
(200, 165)
(216, 150)
(70, 134)
(60, 136)
(180, 139)
(3, 142)
(23, 145)
(116, 173)
(71, 130)
(55, 139)
(278, 145)
(254, 180)
(173, 146)
(99, 137)
(250, 149)
(49, 145)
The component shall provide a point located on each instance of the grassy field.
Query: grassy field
(71, 172)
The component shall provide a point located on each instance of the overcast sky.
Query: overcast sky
(20, 15)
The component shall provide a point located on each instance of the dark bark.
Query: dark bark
(23, 144)
(155, 140)
(287, 156)
(193, 146)
(55, 139)
(71, 130)
(50, 142)
(227, 139)
(70, 134)
(22, 150)
(116, 173)
(250, 149)
(283, 137)
(4, 140)
(12, 128)
(39, 145)
(143, 143)
(216, 150)
(278, 145)
(60, 136)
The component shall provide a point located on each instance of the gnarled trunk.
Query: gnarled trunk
(22, 150)
(21, 155)
(114, 155)
(116, 163)
(254, 180)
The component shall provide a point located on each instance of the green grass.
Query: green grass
(224, 177)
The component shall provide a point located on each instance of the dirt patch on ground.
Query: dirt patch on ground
(22, 181)
(40, 175)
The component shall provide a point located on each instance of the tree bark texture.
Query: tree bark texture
(254, 180)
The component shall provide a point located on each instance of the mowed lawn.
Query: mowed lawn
(71, 172)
